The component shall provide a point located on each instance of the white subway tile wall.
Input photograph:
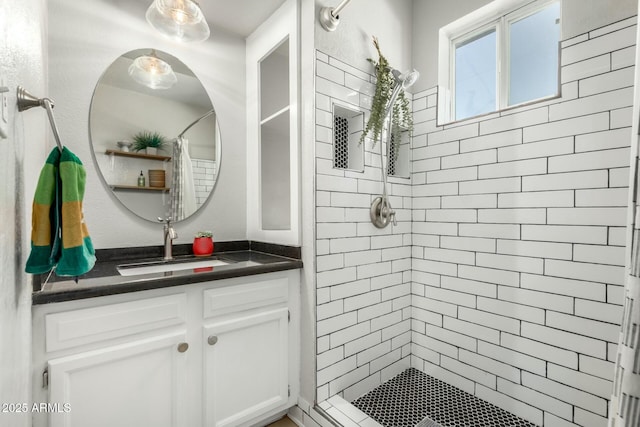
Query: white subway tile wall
(504, 276)
(518, 240)
(204, 176)
(363, 273)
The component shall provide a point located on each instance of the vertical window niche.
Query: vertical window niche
(275, 174)
(398, 155)
(348, 125)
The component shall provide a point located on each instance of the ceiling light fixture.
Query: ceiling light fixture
(181, 20)
(152, 72)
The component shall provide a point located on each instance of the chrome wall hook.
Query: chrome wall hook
(27, 101)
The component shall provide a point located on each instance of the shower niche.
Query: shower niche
(398, 155)
(272, 129)
(348, 151)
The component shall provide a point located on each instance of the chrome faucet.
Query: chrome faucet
(169, 234)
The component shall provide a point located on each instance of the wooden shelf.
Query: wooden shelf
(138, 155)
(136, 188)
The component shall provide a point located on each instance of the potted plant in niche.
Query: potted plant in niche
(401, 117)
(203, 243)
(147, 141)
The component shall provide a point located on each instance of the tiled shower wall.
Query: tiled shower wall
(204, 176)
(363, 273)
(518, 240)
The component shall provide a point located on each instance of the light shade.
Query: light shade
(153, 72)
(178, 19)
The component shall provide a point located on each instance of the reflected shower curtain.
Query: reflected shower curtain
(183, 190)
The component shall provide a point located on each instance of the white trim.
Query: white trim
(475, 19)
(511, 18)
(468, 36)
(503, 57)
(278, 28)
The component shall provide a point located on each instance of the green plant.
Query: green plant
(200, 234)
(144, 139)
(401, 118)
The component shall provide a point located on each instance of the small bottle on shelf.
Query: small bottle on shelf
(141, 182)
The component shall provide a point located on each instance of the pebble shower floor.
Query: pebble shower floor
(415, 399)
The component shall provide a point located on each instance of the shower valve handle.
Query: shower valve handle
(382, 213)
(392, 216)
(389, 213)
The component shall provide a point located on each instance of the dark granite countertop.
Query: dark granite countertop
(243, 259)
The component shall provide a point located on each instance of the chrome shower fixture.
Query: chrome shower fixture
(406, 79)
(381, 212)
(330, 17)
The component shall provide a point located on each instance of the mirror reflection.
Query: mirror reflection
(156, 146)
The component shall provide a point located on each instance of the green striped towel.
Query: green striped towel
(59, 236)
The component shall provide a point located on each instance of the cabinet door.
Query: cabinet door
(272, 71)
(246, 367)
(130, 385)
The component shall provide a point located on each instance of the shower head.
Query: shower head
(406, 79)
(403, 81)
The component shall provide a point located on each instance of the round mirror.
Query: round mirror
(154, 135)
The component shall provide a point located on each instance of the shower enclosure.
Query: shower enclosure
(504, 276)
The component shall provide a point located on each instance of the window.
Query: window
(502, 55)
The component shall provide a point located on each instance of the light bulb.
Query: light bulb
(153, 72)
(178, 19)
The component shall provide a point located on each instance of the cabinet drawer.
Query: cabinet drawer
(232, 299)
(78, 327)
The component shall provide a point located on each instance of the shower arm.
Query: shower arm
(330, 17)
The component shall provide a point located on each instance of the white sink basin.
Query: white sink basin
(150, 268)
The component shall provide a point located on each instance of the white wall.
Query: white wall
(578, 16)
(389, 21)
(21, 156)
(428, 18)
(103, 30)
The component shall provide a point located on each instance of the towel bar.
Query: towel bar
(27, 101)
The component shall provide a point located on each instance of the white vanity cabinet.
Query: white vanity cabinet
(135, 384)
(246, 357)
(221, 353)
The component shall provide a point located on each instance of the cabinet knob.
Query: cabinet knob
(182, 347)
(212, 339)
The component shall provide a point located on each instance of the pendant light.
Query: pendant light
(180, 20)
(153, 72)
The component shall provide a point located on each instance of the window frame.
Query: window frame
(485, 29)
(498, 15)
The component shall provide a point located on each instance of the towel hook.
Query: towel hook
(27, 101)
